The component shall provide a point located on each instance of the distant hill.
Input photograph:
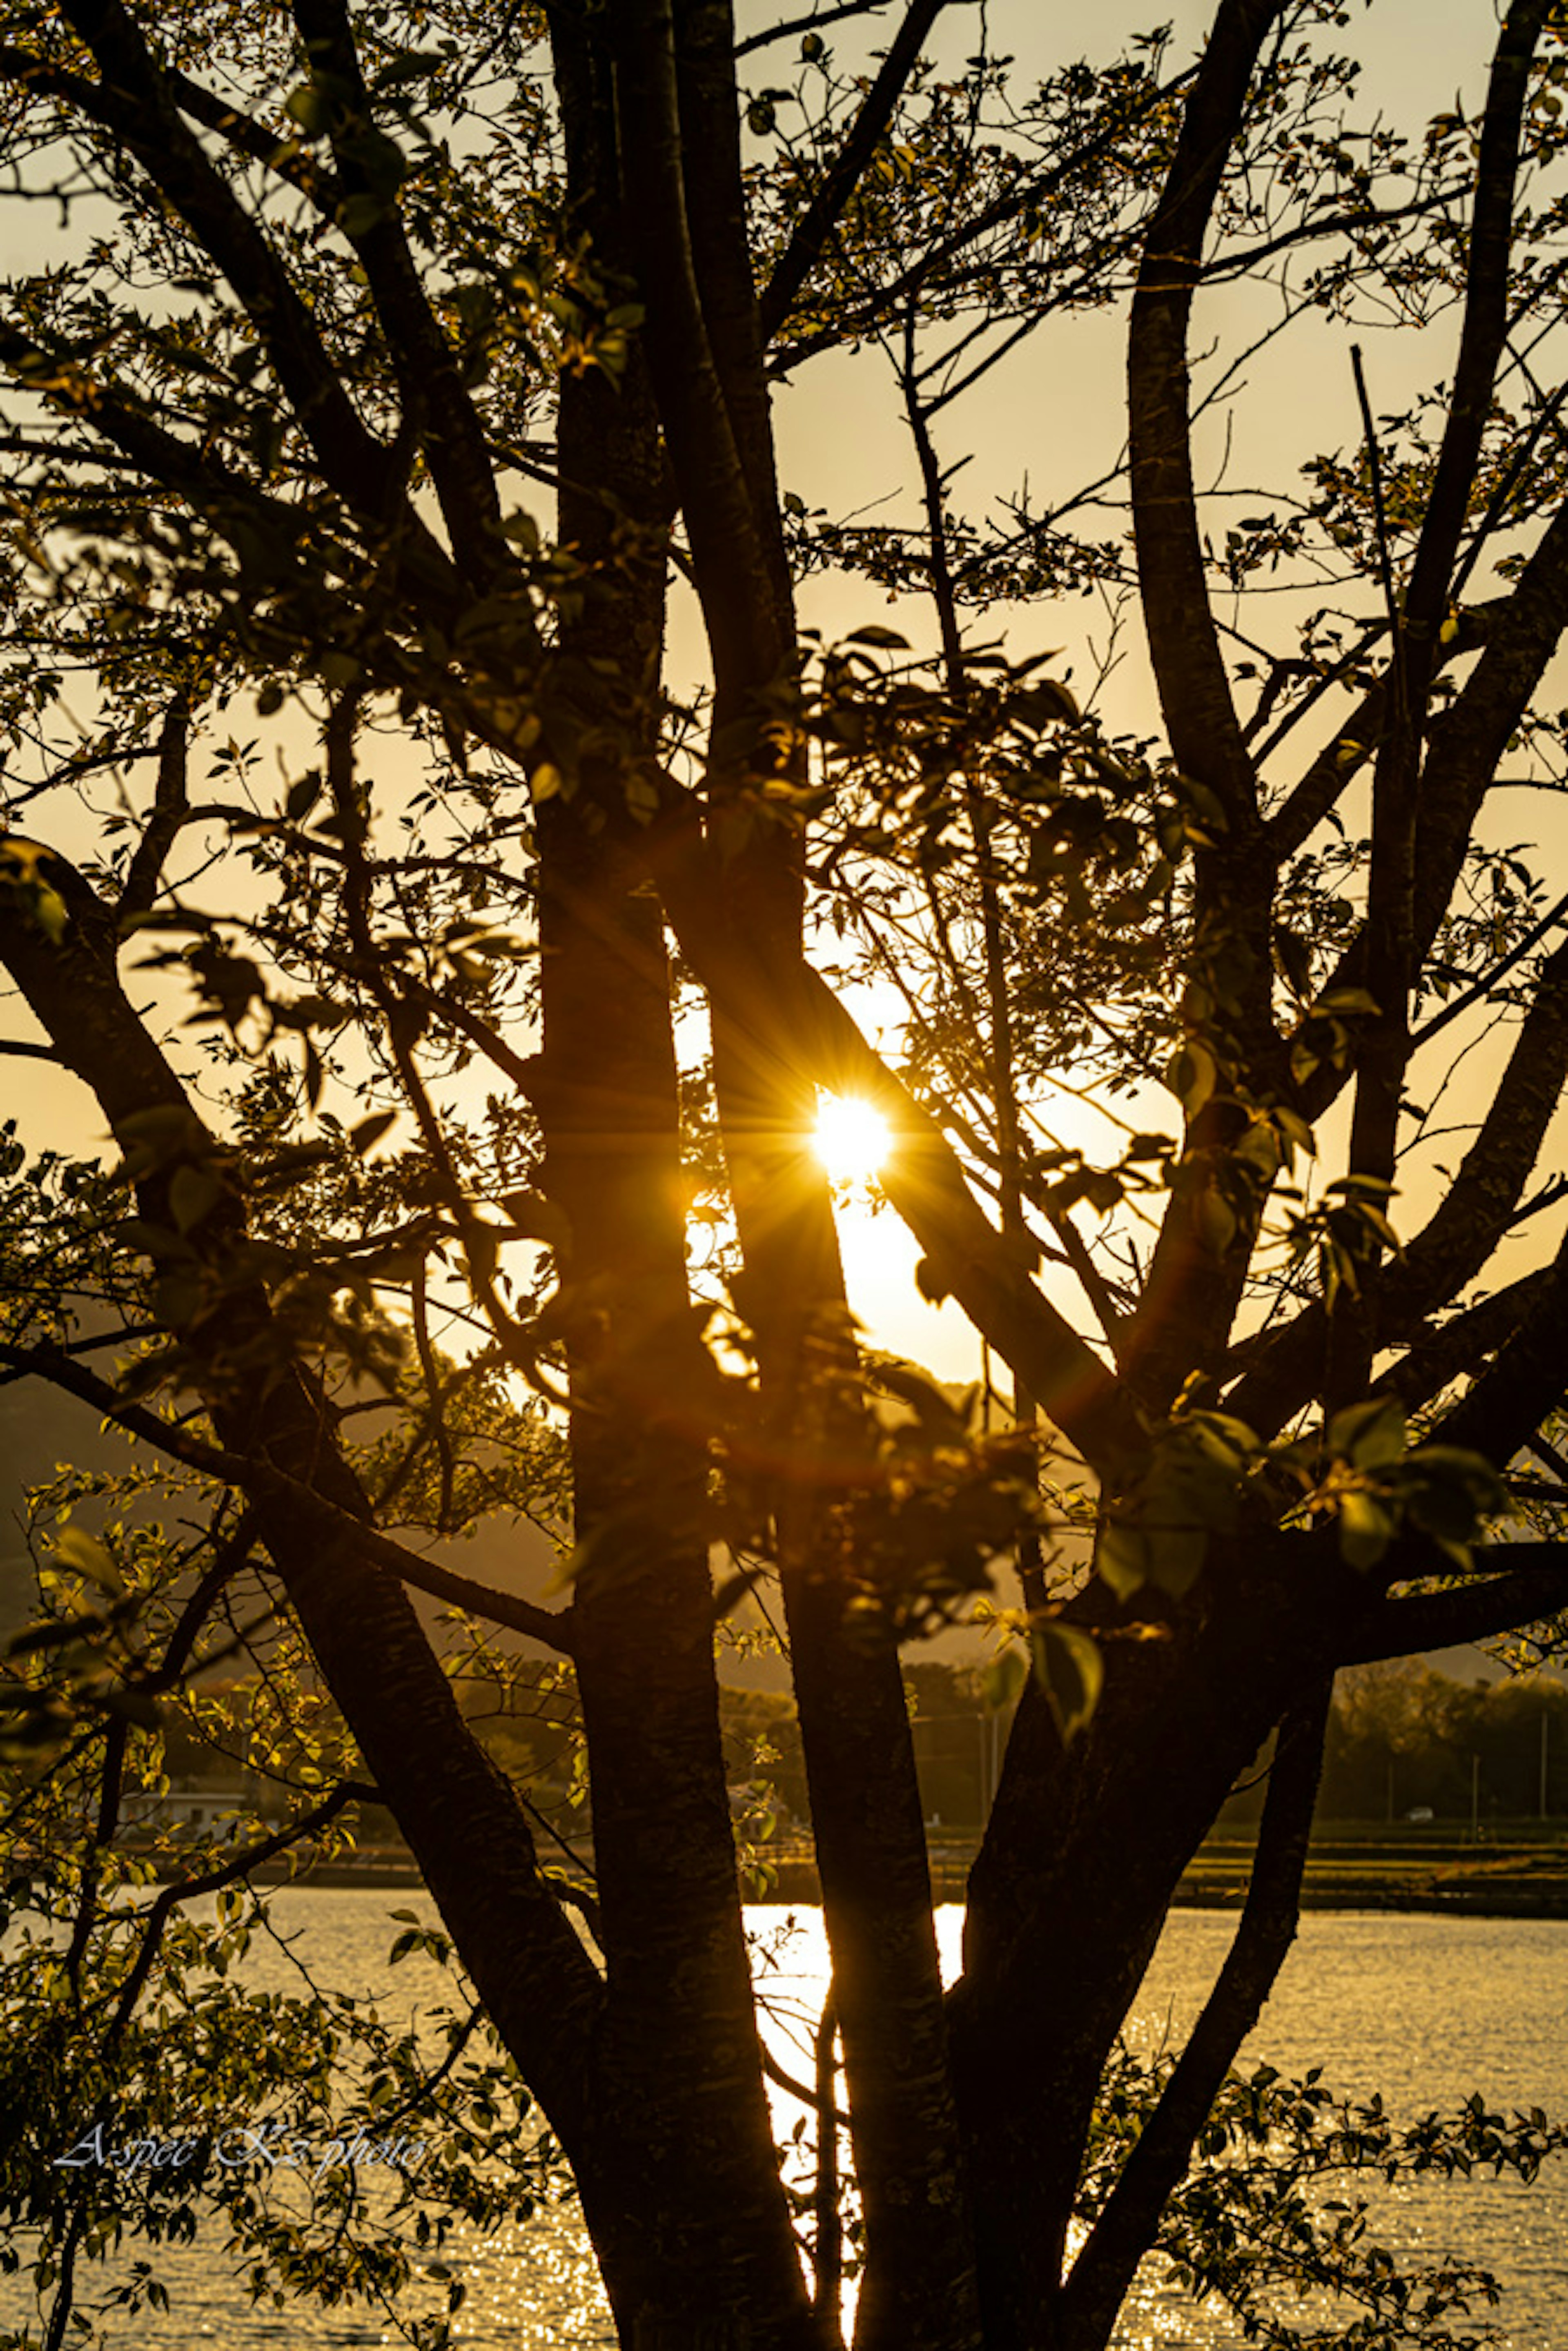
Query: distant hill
(40, 1428)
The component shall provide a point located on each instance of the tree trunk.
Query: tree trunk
(1083, 1857)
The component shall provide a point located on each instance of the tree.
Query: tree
(278, 435)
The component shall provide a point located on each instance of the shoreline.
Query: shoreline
(1352, 1868)
(1484, 1896)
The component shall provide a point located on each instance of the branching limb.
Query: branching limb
(1461, 1344)
(171, 804)
(1104, 2270)
(711, 171)
(438, 1417)
(1534, 1582)
(111, 1781)
(924, 1182)
(99, 103)
(811, 230)
(812, 23)
(1458, 1238)
(435, 400)
(1195, 1283)
(213, 1881)
(258, 143)
(1485, 330)
(228, 1558)
(1464, 748)
(796, 2088)
(349, 457)
(1523, 1384)
(1485, 986)
(997, 1029)
(1189, 669)
(264, 1482)
(892, 300)
(729, 558)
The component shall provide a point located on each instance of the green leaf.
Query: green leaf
(1457, 1461)
(193, 1193)
(1444, 1510)
(1121, 1558)
(1192, 1076)
(1295, 1129)
(931, 1284)
(1176, 1555)
(874, 633)
(1071, 1672)
(1295, 956)
(310, 107)
(359, 215)
(1366, 1528)
(1043, 705)
(1338, 1001)
(1003, 1679)
(1224, 1429)
(369, 1131)
(1371, 1435)
(49, 911)
(86, 1556)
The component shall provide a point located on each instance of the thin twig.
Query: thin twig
(1380, 519)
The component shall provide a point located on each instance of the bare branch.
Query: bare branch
(811, 230)
(1454, 1244)
(811, 24)
(1484, 331)
(149, 122)
(264, 1482)
(1524, 1383)
(212, 1881)
(436, 398)
(170, 807)
(1458, 1348)
(1533, 1584)
(1104, 2270)
(1190, 673)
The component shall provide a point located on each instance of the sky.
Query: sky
(1054, 414)
(1054, 411)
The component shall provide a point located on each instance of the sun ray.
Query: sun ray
(851, 1138)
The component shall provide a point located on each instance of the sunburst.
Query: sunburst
(851, 1138)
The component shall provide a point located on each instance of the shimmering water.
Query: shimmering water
(1427, 2010)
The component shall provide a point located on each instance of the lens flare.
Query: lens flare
(851, 1138)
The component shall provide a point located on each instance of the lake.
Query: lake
(1425, 2008)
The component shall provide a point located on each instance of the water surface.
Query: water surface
(1424, 2008)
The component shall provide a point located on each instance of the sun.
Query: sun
(851, 1139)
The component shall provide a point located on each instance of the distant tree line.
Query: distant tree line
(1403, 1737)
